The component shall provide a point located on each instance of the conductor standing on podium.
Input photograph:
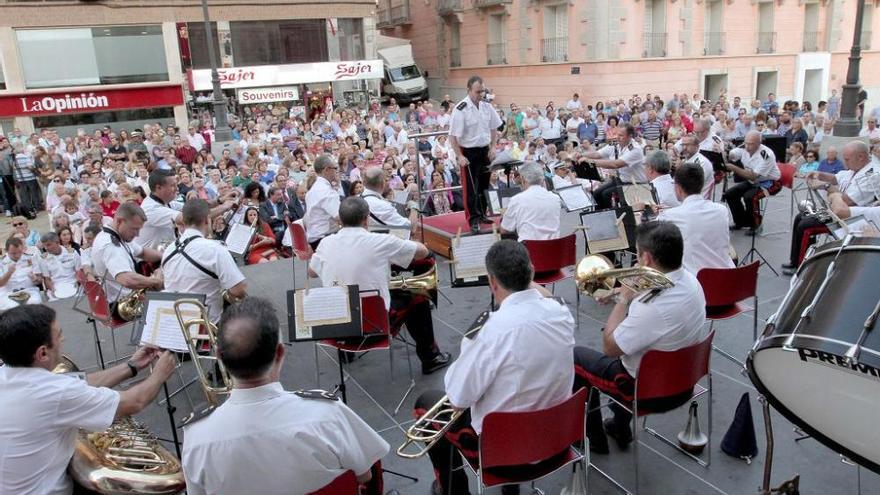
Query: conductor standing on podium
(473, 132)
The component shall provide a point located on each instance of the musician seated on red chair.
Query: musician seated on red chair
(355, 255)
(853, 188)
(518, 361)
(837, 203)
(43, 411)
(115, 255)
(667, 320)
(266, 440)
(758, 170)
(535, 213)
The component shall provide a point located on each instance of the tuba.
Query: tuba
(596, 274)
(429, 428)
(205, 363)
(423, 285)
(124, 459)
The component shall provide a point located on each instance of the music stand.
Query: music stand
(587, 170)
(716, 158)
(467, 266)
(575, 198)
(608, 237)
(498, 199)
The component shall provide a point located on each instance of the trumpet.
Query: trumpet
(596, 274)
(429, 428)
(195, 339)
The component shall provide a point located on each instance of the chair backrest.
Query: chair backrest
(345, 484)
(553, 254)
(728, 286)
(669, 373)
(98, 304)
(787, 172)
(374, 316)
(301, 246)
(518, 438)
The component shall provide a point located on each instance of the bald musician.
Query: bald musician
(43, 411)
(264, 439)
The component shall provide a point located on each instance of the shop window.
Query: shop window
(92, 56)
(68, 124)
(279, 42)
(198, 45)
(351, 39)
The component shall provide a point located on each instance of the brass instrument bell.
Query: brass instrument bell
(596, 274)
(424, 284)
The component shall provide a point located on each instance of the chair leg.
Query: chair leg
(577, 317)
(113, 339)
(317, 367)
(536, 490)
(709, 445)
(412, 380)
(99, 352)
(636, 440)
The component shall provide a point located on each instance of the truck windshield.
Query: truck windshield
(404, 73)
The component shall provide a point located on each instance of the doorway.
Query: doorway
(713, 85)
(766, 83)
(813, 85)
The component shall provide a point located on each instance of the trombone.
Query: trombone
(202, 347)
(429, 428)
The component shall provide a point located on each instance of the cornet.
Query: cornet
(595, 273)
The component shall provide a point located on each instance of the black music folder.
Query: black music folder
(587, 170)
(353, 328)
(716, 158)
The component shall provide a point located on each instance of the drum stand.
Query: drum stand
(790, 487)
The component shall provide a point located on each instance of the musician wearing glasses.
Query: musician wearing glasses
(535, 213)
(43, 411)
(115, 255)
(196, 265)
(322, 215)
(21, 272)
(355, 255)
(666, 320)
(303, 441)
(854, 190)
(518, 361)
(382, 212)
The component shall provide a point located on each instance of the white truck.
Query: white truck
(403, 79)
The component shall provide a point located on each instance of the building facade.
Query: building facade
(529, 51)
(73, 65)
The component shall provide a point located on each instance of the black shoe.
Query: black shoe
(510, 490)
(484, 219)
(734, 227)
(789, 265)
(475, 227)
(788, 271)
(436, 489)
(439, 361)
(599, 447)
(623, 435)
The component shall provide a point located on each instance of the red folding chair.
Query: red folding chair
(788, 172)
(300, 246)
(345, 484)
(724, 290)
(664, 374)
(99, 312)
(378, 328)
(523, 447)
(554, 260)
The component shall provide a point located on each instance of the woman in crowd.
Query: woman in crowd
(262, 246)
(66, 238)
(438, 203)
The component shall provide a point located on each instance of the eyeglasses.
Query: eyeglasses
(17, 224)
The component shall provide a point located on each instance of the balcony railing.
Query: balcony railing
(714, 44)
(655, 45)
(383, 18)
(865, 42)
(482, 4)
(496, 53)
(554, 49)
(448, 7)
(811, 41)
(767, 42)
(400, 13)
(455, 57)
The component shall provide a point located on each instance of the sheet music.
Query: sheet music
(401, 197)
(469, 255)
(238, 238)
(638, 193)
(161, 328)
(604, 232)
(855, 224)
(575, 198)
(287, 240)
(494, 201)
(324, 306)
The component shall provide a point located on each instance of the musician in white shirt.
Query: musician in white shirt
(303, 440)
(322, 202)
(44, 411)
(382, 212)
(518, 361)
(21, 271)
(703, 224)
(59, 266)
(626, 157)
(162, 220)
(535, 213)
(657, 169)
(690, 151)
(758, 171)
(667, 320)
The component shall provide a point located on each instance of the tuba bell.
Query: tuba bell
(424, 284)
(124, 459)
(595, 275)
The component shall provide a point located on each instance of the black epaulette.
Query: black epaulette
(477, 325)
(629, 146)
(316, 394)
(462, 105)
(716, 138)
(764, 154)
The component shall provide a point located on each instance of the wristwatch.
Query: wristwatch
(132, 367)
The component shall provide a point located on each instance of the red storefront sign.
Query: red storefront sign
(89, 101)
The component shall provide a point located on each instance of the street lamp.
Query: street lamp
(848, 125)
(222, 132)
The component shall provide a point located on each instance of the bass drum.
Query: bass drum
(799, 363)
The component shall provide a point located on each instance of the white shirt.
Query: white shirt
(708, 172)
(519, 361)
(183, 276)
(670, 321)
(550, 129)
(159, 226)
(42, 412)
(573, 104)
(571, 126)
(109, 260)
(268, 441)
(196, 140)
(398, 140)
(634, 157)
(763, 163)
(472, 125)
(665, 187)
(533, 214)
(24, 267)
(383, 213)
(356, 256)
(61, 268)
(712, 143)
(856, 185)
(703, 226)
(872, 135)
(322, 210)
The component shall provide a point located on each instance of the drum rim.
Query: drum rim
(791, 416)
(785, 336)
(833, 252)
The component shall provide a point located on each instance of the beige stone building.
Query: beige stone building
(530, 51)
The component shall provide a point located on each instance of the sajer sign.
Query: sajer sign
(268, 95)
(98, 100)
(278, 75)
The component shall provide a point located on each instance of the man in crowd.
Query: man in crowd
(273, 211)
(322, 215)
